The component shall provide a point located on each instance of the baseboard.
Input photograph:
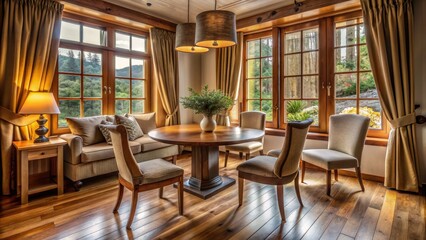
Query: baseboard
(350, 174)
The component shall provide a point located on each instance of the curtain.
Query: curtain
(166, 69)
(389, 32)
(29, 41)
(228, 73)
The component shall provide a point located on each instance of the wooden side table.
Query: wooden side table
(29, 151)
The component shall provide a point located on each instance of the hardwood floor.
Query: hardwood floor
(377, 213)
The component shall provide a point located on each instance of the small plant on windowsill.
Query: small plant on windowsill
(207, 102)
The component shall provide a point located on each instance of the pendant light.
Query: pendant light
(185, 38)
(216, 29)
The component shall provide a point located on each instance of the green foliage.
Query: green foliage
(295, 106)
(300, 116)
(207, 102)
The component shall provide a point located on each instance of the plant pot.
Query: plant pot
(208, 124)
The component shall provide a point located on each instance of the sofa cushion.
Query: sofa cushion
(132, 127)
(87, 129)
(105, 132)
(103, 151)
(146, 121)
(148, 144)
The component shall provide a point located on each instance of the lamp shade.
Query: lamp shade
(185, 39)
(216, 29)
(40, 103)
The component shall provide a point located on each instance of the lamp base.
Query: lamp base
(41, 130)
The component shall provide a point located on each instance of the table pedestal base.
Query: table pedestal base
(205, 180)
(208, 192)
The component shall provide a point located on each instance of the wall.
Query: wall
(420, 78)
(189, 77)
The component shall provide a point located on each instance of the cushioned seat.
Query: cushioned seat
(149, 144)
(254, 120)
(329, 159)
(274, 152)
(260, 165)
(277, 171)
(157, 170)
(242, 147)
(101, 151)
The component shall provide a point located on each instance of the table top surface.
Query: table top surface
(191, 134)
(29, 144)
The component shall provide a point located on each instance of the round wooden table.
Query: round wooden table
(205, 180)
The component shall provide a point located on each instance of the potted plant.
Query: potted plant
(207, 102)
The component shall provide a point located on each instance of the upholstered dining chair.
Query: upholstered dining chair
(250, 119)
(143, 176)
(277, 171)
(346, 137)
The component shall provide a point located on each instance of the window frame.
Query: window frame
(326, 26)
(108, 68)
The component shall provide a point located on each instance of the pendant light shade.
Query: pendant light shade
(216, 29)
(185, 39)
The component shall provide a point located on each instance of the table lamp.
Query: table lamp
(40, 103)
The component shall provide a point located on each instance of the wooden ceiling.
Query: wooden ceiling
(176, 10)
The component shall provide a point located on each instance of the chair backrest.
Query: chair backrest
(347, 133)
(126, 162)
(295, 136)
(253, 119)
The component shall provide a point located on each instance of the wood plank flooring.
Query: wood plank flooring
(377, 213)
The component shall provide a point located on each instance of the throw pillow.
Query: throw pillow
(132, 127)
(87, 129)
(146, 121)
(105, 131)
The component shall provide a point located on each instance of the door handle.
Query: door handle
(105, 89)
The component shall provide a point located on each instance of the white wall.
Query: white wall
(420, 78)
(208, 69)
(189, 77)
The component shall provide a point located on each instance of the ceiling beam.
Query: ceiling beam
(307, 5)
(118, 11)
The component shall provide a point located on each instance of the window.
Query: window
(355, 90)
(301, 75)
(258, 75)
(79, 84)
(323, 68)
(97, 77)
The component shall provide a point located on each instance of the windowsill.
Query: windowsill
(324, 137)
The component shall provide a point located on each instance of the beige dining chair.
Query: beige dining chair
(250, 119)
(277, 171)
(143, 176)
(346, 137)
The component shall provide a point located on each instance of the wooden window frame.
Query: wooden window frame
(248, 38)
(326, 27)
(108, 68)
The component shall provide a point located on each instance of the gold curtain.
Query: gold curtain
(29, 41)
(166, 70)
(228, 73)
(389, 31)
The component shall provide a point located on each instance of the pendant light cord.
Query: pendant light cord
(188, 12)
(215, 5)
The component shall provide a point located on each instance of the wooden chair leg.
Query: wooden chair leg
(135, 194)
(240, 191)
(226, 157)
(280, 198)
(247, 156)
(336, 175)
(261, 152)
(241, 155)
(358, 174)
(119, 197)
(174, 159)
(328, 182)
(302, 166)
(296, 186)
(160, 192)
(180, 195)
